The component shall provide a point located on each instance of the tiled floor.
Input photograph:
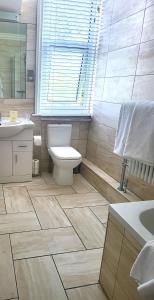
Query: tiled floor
(51, 240)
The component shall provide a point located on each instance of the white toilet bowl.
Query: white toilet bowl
(64, 159)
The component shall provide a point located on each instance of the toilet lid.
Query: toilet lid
(65, 152)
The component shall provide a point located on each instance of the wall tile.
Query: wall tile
(148, 27)
(75, 130)
(99, 89)
(122, 62)
(30, 90)
(107, 17)
(31, 37)
(143, 88)
(101, 64)
(107, 160)
(149, 3)
(123, 9)
(91, 150)
(28, 11)
(81, 147)
(30, 60)
(107, 113)
(102, 135)
(146, 58)
(126, 32)
(118, 89)
(104, 40)
(83, 133)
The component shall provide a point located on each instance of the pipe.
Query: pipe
(123, 185)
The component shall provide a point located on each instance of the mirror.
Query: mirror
(13, 60)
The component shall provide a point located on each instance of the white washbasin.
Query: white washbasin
(136, 217)
(8, 128)
(147, 219)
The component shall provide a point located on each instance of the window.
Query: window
(66, 48)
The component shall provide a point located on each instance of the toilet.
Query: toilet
(64, 157)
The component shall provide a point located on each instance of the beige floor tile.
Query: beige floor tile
(2, 206)
(81, 200)
(2, 203)
(35, 181)
(17, 199)
(49, 190)
(37, 279)
(90, 230)
(79, 268)
(7, 277)
(49, 212)
(91, 292)
(81, 185)
(48, 178)
(101, 212)
(19, 222)
(45, 242)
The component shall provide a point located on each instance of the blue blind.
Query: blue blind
(67, 36)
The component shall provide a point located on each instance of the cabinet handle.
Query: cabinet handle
(22, 146)
(16, 158)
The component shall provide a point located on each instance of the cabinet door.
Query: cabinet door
(22, 163)
(5, 158)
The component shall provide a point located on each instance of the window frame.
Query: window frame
(81, 46)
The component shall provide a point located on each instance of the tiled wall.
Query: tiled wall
(125, 71)
(80, 129)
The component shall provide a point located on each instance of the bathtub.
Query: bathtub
(137, 217)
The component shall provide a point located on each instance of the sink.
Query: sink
(147, 219)
(8, 128)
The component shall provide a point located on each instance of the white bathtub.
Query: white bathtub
(137, 217)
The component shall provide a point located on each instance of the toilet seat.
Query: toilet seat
(65, 153)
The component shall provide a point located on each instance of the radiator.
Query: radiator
(143, 171)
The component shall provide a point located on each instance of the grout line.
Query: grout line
(80, 286)
(18, 212)
(97, 217)
(59, 276)
(128, 46)
(75, 229)
(58, 253)
(86, 206)
(14, 267)
(135, 75)
(126, 17)
(34, 208)
(35, 230)
(4, 200)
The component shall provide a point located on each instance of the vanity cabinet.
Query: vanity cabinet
(120, 252)
(5, 158)
(16, 157)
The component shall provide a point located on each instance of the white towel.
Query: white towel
(146, 290)
(143, 271)
(125, 118)
(143, 268)
(140, 140)
(135, 134)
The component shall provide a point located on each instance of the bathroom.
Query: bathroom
(82, 235)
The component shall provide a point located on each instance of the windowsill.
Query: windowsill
(64, 118)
